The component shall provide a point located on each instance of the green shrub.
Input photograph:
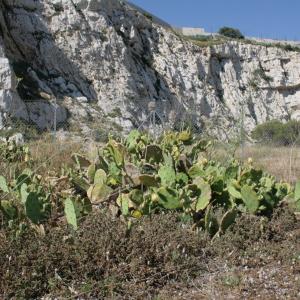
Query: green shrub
(231, 32)
(278, 133)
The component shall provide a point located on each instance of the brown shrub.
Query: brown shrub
(101, 260)
(159, 255)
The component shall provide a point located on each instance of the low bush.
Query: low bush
(101, 260)
(231, 32)
(278, 133)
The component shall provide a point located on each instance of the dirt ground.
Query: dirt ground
(160, 258)
(249, 265)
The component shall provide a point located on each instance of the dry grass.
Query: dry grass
(282, 162)
(48, 154)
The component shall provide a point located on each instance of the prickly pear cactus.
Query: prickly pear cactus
(70, 213)
(34, 208)
(168, 198)
(3, 185)
(250, 199)
(167, 175)
(141, 176)
(173, 172)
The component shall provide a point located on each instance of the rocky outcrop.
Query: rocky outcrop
(10, 101)
(39, 112)
(103, 58)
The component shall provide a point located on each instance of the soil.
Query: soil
(159, 258)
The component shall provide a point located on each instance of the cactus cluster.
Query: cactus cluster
(24, 198)
(140, 176)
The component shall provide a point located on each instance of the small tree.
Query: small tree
(231, 32)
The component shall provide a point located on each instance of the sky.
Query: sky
(276, 19)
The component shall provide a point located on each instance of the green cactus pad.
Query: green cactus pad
(167, 175)
(117, 152)
(123, 201)
(70, 213)
(132, 140)
(100, 177)
(24, 193)
(182, 178)
(210, 222)
(154, 154)
(34, 208)
(231, 173)
(205, 196)
(250, 199)
(99, 192)
(91, 172)
(196, 170)
(233, 192)
(23, 178)
(3, 185)
(169, 198)
(136, 196)
(228, 219)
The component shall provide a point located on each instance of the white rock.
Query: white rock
(18, 138)
(82, 99)
(105, 52)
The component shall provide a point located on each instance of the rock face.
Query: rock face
(103, 58)
(10, 101)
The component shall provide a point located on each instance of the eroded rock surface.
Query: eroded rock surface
(104, 58)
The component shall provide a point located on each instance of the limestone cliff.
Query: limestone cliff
(103, 58)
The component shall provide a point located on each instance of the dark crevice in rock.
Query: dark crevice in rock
(283, 88)
(36, 57)
(11, 49)
(251, 109)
